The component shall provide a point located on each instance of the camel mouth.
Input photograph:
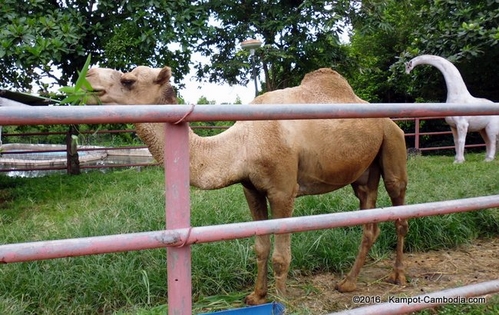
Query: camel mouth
(97, 92)
(94, 97)
(408, 67)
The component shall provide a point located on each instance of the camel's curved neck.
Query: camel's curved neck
(453, 79)
(153, 135)
(215, 162)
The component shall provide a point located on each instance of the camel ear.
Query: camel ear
(164, 76)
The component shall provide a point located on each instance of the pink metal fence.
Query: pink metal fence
(179, 234)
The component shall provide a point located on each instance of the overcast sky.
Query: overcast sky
(215, 92)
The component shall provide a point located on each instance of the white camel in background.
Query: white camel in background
(488, 126)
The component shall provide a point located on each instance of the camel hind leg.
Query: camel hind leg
(490, 139)
(366, 189)
(394, 172)
(281, 205)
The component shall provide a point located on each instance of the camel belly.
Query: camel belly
(475, 123)
(316, 188)
(313, 182)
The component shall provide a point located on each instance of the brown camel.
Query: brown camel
(277, 161)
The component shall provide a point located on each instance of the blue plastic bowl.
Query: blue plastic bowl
(263, 309)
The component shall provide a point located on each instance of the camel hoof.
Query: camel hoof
(458, 161)
(254, 299)
(489, 159)
(346, 286)
(397, 278)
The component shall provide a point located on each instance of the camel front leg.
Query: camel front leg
(262, 249)
(459, 135)
(281, 259)
(258, 207)
(281, 205)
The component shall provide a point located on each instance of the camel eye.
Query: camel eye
(127, 83)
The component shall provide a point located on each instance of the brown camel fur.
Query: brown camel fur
(277, 161)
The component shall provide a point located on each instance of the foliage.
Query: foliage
(387, 33)
(465, 33)
(298, 37)
(40, 40)
(210, 128)
(78, 94)
(381, 30)
(50, 39)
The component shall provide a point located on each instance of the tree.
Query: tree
(204, 101)
(299, 36)
(466, 33)
(381, 30)
(42, 39)
(387, 33)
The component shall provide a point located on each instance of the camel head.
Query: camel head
(409, 66)
(143, 85)
(424, 59)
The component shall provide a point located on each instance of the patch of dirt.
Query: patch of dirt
(426, 272)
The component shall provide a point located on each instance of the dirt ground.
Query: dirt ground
(426, 272)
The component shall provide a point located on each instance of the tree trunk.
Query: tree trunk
(72, 151)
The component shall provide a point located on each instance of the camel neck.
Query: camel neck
(453, 79)
(217, 161)
(153, 135)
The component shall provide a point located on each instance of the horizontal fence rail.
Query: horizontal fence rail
(416, 135)
(206, 234)
(176, 113)
(179, 234)
(420, 302)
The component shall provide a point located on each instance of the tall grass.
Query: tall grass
(91, 204)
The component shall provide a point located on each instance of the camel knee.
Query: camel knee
(281, 262)
(396, 190)
(370, 234)
(262, 248)
(402, 227)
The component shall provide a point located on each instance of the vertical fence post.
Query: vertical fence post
(416, 133)
(177, 208)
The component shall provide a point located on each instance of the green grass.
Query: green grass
(92, 204)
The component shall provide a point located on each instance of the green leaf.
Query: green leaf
(67, 89)
(82, 74)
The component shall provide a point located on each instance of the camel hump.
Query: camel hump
(321, 74)
(323, 85)
(330, 83)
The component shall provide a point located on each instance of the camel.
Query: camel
(488, 126)
(279, 160)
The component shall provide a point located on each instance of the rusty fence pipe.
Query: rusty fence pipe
(457, 295)
(173, 113)
(341, 219)
(178, 208)
(31, 251)
(19, 252)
